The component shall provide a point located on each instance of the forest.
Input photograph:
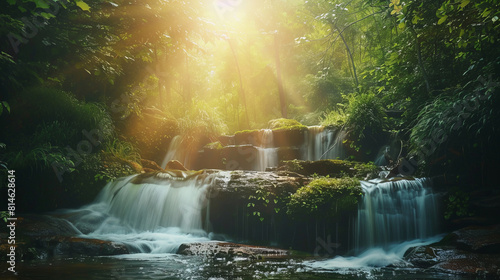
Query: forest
(93, 91)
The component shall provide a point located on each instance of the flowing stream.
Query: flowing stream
(392, 217)
(153, 217)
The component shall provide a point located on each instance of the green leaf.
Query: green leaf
(6, 105)
(82, 5)
(11, 2)
(464, 3)
(47, 15)
(486, 12)
(41, 4)
(402, 25)
(443, 19)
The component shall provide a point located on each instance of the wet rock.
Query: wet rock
(473, 250)
(38, 226)
(73, 246)
(248, 137)
(240, 157)
(40, 237)
(176, 165)
(478, 239)
(423, 256)
(289, 137)
(231, 250)
(288, 153)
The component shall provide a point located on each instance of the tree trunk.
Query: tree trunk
(420, 61)
(281, 90)
(242, 92)
(351, 57)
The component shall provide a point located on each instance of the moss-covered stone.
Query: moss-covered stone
(247, 137)
(325, 198)
(330, 167)
(285, 124)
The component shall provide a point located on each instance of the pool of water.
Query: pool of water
(172, 266)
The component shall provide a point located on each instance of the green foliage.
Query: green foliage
(365, 114)
(325, 198)
(109, 169)
(201, 120)
(122, 150)
(331, 168)
(462, 120)
(4, 215)
(285, 124)
(260, 200)
(4, 104)
(294, 165)
(327, 88)
(334, 118)
(457, 205)
(45, 124)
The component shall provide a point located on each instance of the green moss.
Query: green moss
(214, 146)
(285, 124)
(331, 167)
(325, 198)
(245, 131)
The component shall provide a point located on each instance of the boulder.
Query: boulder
(232, 250)
(176, 165)
(472, 250)
(478, 239)
(40, 237)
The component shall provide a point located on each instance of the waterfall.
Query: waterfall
(267, 155)
(393, 212)
(323, 143)
(392, 217)
(154, 215)
(176, 152)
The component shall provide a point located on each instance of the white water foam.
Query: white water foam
(153, 217)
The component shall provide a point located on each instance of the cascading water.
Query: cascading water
(176, 152)
(323, 143)
(393, 212)
(267, 153)
(392, 217)
(149, 216)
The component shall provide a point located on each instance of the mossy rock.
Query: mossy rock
(325, 198)
(246, 137)
(285, 124)
(330, 167)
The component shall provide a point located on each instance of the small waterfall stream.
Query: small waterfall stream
(152, 216)
(267, 154)
(176, 152)
(394, 212)
(392, 217)
(323, 143)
